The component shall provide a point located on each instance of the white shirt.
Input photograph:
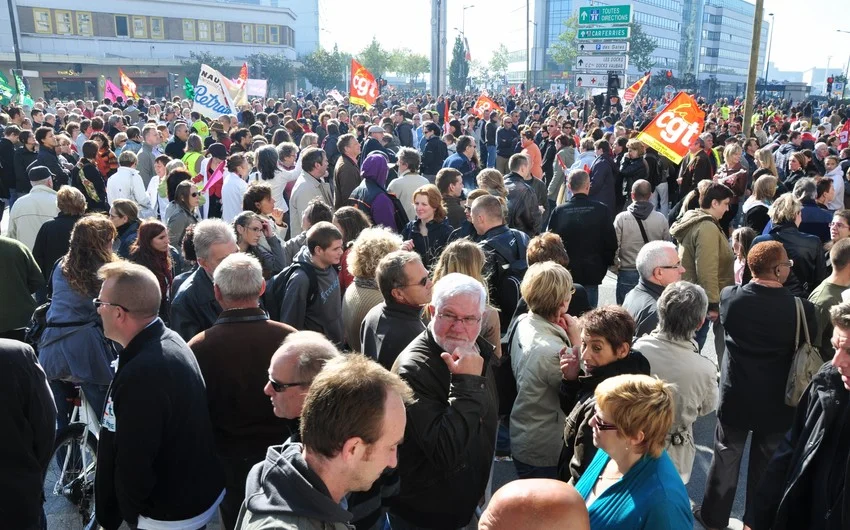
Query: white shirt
(231, 196)
(837, 203)
(403, 188)
(126, 183)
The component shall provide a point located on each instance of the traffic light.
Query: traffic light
(613, 82)
(829, 81)
(669, 74)
(174, 85)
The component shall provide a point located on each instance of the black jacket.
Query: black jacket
(433, 156)
(588, 234)
(47, 157)
(90, 172)
(28, 416)
(7, 167)
(370, 145)
(490, 132)
(505, 140)
(759, 324)
(389, 328)
(792, 481)
(450, 437)
(23, 158)
(523, 213)
(431, 246)
(194, 308)
(52, 241)
(175, 148)
(156, 452)
(805, 249)
(603, 178)
(404, 131)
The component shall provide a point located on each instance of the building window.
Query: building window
(274, 35)
(41, 17)
(219, 34)
(64, 22)
(188, 29)
(247, 33)
(204, 30)
(122, 26)
(157, 31)
(261, 34)
(84, 26)
(140, 27)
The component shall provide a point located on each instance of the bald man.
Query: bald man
(535, 504)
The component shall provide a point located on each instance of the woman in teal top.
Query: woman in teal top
(631, 483)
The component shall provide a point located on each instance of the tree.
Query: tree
(641, 48)
(322, 68)
(459, 69)
(375, 58)
(193, 65)
(274, 68)
(498, 64)
(408, 64)
(564, 50)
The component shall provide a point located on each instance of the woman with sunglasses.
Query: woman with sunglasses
(181, 211)
(605, 351)
(73, 348)
(250, 228)
(631, 483)
(538, 339)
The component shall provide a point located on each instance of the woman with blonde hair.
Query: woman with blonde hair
(755, 207)
(465, 257)
(764, 160)
(363, 294)
(430, 231)
(631, 483)
(309, 140)
(194, 154)
(492, 182)
(538, 340)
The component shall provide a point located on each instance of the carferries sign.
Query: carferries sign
(604, 15)
(675, 127)
(604, 33)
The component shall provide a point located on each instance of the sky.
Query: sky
(805, 33)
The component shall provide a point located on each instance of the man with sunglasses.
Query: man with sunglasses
(156, 461)
(444, 464)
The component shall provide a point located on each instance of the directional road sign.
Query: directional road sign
(603, 47)
(593, 80)
(604, 33)
(588, 16)
(600, 63)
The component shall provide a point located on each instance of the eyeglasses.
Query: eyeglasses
(98, 302)
(789, 263)
(602, 425)
(280, 387)
(193, 194)
(421, 283)
(838, 225)
(676, 266)
(466, 321)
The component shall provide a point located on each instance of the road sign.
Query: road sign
(600, 63)
(604, 15)
(604, 33)
(603, 47)
(593, 81)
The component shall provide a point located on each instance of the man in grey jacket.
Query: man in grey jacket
(324, 313)
(145, 164)
(659, 265)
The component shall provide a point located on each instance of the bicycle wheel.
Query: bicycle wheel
(69, 482)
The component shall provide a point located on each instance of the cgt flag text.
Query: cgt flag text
(674, 128)
(363, 88)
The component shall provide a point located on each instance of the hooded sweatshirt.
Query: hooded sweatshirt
(325, 314)
(371, 194)
(283, 493)
(629, 237)
(705, 253)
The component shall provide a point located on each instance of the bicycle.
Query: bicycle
(69, 482)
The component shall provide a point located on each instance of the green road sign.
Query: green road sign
(604, 15)
(603, 33)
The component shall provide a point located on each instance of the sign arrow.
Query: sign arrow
(581, 47)
(584, 15)
(580, 62)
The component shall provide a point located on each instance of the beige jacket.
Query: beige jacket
(695, 377)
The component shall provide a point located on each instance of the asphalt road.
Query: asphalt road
(60, 515)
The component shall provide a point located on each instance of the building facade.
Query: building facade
(706, 42)
(69, 48)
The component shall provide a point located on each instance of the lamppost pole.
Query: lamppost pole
(767, 62)
(846, 69)
(18, 65)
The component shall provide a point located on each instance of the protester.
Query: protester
(181, 211)
(54, 236)
(535, 504)
(429, 232)
(658, 265)
(35, 208)
(21, 279)
(124, 214)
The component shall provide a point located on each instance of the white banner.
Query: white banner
(256, 87)
(212, 97)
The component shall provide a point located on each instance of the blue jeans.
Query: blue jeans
(491, 156)
(527, 471)
(626, 281)
(592, 295)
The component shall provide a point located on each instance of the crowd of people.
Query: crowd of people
(310, 315)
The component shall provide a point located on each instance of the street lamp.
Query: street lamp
(531, 50)
(463, 19)
(769, 47)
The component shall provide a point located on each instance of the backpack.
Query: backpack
(399, 215)
(276, 288)
(505, 280)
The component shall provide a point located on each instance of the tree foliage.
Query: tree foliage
(196, 59)
(564, 50)
(274, 68)
(459, 68)
(375, 59)
(498, 64)
(408, 64)
(641, 48)
(324, 69)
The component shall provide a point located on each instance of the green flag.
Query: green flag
(189, 88)
(7, 92)
(23, 96)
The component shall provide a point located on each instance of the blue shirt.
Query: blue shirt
(650, 496)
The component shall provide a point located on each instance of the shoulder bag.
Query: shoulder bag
(805, 364)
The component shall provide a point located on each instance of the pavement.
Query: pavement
(61, 516)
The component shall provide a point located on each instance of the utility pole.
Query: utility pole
(527, 51)
(750, 99)
(767, 62)
(18, 65)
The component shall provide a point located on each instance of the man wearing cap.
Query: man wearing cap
(373, 143)
(35, 208)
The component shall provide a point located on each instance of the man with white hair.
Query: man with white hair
(243, 424)
(658, 265)
(194, 307)
(819, 160)
(444, 464)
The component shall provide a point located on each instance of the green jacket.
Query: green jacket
(705, 253)
(21, 277)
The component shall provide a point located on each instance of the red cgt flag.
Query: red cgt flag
(633, 90)
(674, 128)
(363, 88)
(844, 135)
(484, 106)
